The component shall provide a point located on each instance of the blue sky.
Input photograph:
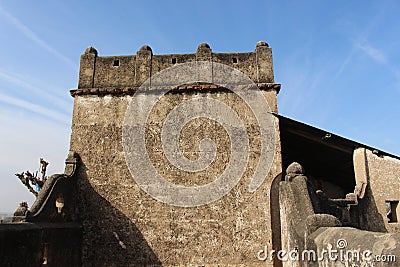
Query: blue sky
(338, 63)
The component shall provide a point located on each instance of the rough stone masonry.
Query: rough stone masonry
(123, 225)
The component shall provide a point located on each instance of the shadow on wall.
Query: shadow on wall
(275, 218)
(109, 237)
(370, 218)
(35, 245)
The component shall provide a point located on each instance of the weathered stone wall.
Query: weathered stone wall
(120, 218)
(384, 175)
(129, 71)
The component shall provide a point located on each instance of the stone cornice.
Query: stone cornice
(180, 89)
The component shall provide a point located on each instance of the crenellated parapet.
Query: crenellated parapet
(133, 70)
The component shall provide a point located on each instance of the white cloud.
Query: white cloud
(18, 80)
(30, 129)
(372, 52)
(55, 115)
(31, 35)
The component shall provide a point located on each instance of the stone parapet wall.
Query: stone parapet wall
(132, 71)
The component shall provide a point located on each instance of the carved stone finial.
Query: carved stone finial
(294, 169)
(203, 48)
(21, 212)
(145, 48)
(203, 52)
(262, 43)
(71, 163)
(22, 209)
(91, 50)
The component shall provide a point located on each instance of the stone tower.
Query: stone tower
(124, 224)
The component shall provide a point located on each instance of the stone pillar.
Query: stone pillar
(143, 64)
(87, 68)
(203, 53)
(265, 72)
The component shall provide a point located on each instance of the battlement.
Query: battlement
(133, 70)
